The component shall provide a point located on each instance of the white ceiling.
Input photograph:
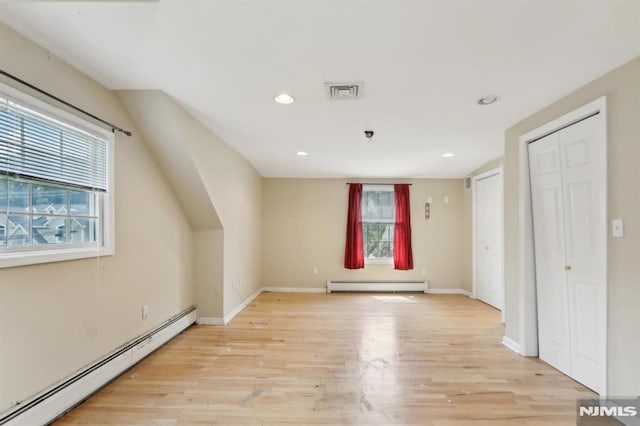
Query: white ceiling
(424, 64)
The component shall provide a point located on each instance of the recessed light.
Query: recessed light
(488, 100)
(448, 155)
(302, 154)
(284, 99)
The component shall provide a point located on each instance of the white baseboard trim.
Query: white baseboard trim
(448, 291)
(248, 300)
(514, 346)
(377, 286)
(70, 391)
(241, 306)
(231, 315)
(210, 321)
(294, 289)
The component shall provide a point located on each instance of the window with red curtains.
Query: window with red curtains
(354, 247)
(402, 253)
(354, 250)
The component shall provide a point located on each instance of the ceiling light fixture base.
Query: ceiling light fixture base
(488, 100)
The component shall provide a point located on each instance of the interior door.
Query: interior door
(554, 340)
(585, 248)
(567, 186)
(488, 242)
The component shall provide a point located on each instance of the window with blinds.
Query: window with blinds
(54, 186)
(33, 145)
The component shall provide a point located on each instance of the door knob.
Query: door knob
(567, 267)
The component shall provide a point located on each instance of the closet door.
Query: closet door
(488, 240)
(554, 340)
(584, 209)
(567, 190)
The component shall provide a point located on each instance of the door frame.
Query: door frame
(528, 319)
(474, 180)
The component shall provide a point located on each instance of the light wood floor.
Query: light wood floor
(335, 359)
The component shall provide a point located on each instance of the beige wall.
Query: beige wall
(55, 318)
(227, 265)
(467, 225)
(208, 271)
(622, 88)
(305, 224)
(235, 189)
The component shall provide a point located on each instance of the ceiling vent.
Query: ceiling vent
(351, 90)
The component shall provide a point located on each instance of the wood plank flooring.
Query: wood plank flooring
(367, 359)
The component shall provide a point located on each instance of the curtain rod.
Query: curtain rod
(113, 127)
(369, 183)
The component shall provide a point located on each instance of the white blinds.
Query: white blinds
(36, 146)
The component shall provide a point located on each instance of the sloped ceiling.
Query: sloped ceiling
(152, 113)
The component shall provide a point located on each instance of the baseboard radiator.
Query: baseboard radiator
(60, 398)
(378, 286)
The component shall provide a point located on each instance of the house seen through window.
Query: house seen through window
(36, 214)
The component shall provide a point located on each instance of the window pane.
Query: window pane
(18, 196)
(386, 205)
(369, 232)
(82, 203)
(49, 230)
(83, 231)
(375, 251)
(49, 199)
(378, 206)
(385, 249)
(384, 234)
(370, 248)
(378, 240)
(18, 231)
(4, 194)
(3, 230)
(370, 208)
(365, 205)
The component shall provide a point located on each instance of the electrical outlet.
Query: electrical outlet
(314, 270)
(145, 311)
(617, 228)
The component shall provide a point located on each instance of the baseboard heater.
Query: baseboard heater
(378, 286)
(61, 397)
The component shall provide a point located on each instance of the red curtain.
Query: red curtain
(354, 249)
(402, 253)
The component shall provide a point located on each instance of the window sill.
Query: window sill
(9, 260)
(378, 261)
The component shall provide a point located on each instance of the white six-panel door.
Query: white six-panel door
(551, 277)
(567, 181)
(488, 240)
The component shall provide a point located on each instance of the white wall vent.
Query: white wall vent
(348, 90)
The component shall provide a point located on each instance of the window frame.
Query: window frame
(377, 261)
(105, 246)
